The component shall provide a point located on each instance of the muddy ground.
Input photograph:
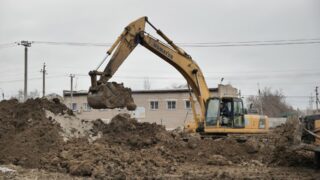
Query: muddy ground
(41, 138)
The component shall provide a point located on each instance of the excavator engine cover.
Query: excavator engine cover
(111, 95)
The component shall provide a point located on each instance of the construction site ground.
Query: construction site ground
(42, 139)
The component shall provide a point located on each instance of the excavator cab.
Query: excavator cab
(225, 112)
(226, 115)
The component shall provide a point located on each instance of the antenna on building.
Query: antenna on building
(221, 80)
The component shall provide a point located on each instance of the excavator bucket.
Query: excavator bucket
(111, 95)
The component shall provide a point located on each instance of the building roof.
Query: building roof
(157, 91)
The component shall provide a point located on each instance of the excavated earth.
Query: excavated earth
(43, 139)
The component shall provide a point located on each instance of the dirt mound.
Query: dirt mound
(288, 134)
(284, 139)
(127, 148)
(26, 135)
(124, 130)
(32, 135)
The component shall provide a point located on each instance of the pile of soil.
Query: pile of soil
(284, 139)
(123, 130)
(127, 148)
(26, 135)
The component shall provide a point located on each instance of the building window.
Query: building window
(74, 106)
(187, 104)
(86, 107)
(171, 104)
(154, 105)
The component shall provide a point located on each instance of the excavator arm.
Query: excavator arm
(133, 35)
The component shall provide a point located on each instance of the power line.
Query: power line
(254, 44)
(163, 78)
(35, 78)
(7, 45)
(306, 72)
(289, 71)
(171, 77)
(269, 71)
(263, 41)
(301, 41)
(204, 44)
(73, 43)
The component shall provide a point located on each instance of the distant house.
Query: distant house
(170, 107)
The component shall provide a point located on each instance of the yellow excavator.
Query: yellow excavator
(218, 114)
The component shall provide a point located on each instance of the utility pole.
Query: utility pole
(317, 98)
(71, 90)
(26, 44)
(44, 72)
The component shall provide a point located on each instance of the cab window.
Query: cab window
(212, 112)
(238, 114)
(238, 109)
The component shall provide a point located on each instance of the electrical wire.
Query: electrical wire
(204, 44)
(72, 43)
(195, 45)
(240, 42)
(35, 78)
(7, 45)
(208, 78)
(253, 44)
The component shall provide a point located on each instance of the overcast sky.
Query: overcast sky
(294, 69)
